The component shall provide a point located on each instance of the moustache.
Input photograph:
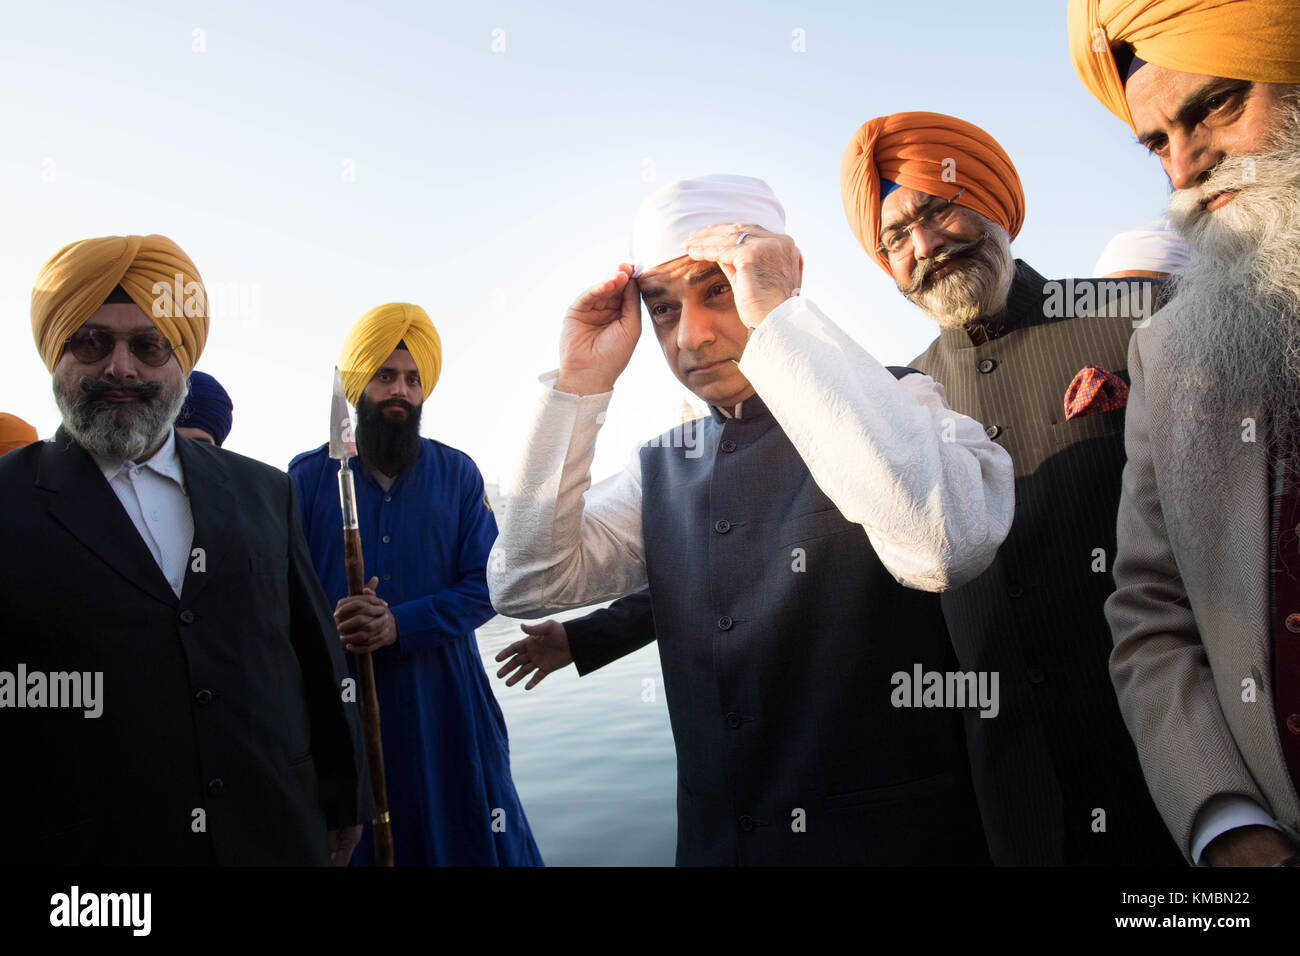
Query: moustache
(397, 403)
(1230, 174)
(96, 388)
(959, 250)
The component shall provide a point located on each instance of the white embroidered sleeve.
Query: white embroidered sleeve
(935, 495)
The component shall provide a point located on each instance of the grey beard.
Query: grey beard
(1234, 342)
(122, 433)
(967, 294)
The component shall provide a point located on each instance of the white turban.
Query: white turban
(1155, 247)
(672, 213)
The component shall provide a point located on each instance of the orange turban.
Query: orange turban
(374, 337)
(157, 275)
(935, 154)
(15, 433)
(1255, 40)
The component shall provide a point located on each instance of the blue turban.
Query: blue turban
(208, 407)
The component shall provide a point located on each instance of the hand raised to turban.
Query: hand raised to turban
(936, 154)
(155, 272)
(598, 334)
(1256, 40)
(376, 334)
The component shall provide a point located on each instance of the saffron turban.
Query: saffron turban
(1255, 40)
(154, 271)
(673, 212)
(15, 433)
(935, 154)
(374, 337)
(208, 406)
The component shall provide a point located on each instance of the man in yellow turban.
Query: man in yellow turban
(936, 201)
(15, 433)
(1206, 608)
(161, 589)
(426, 530)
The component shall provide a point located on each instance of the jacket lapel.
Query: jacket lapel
(85, 504)
(213, 505)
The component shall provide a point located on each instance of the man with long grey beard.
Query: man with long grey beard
(936, 202)
(1206, 612)
(162, 587)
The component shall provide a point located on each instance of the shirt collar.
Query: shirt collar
(751, 408)
(164, 462)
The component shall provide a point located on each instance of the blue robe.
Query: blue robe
(446, 756)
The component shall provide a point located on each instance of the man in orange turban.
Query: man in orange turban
(936, 201)
(171, 580)
(15, 433)
(1206, 609)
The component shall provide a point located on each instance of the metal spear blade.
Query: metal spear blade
(342, 445)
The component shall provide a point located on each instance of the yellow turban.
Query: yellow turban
(157, 275)
(374, 337)
(935, 154)
(15, 433)
(1256, 40)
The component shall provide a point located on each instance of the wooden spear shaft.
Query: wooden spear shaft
(355, 566)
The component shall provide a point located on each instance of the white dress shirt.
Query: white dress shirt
(153, 494)
(934, 495)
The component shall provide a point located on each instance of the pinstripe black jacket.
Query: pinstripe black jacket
(1056, 772)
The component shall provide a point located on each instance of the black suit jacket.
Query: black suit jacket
(224, 737)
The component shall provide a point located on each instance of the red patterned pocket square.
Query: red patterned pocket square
(1095, 390)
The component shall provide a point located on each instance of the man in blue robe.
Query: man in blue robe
(426, 531)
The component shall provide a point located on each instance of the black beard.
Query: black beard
(390, 446)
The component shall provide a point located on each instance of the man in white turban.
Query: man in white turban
(773, 536)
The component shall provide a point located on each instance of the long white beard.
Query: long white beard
(977, 290)
(1234, 343)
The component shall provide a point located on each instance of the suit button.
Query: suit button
(728, 444)
(387, 577)
(216, 785)
(388, 497)
(986, 365)
(1014, 590)
(722, 526)
(387, 539)
(187, 617)
(993, 431)
(203, 697)
(1293, 623)
(1036, 676)
(1293, 723)
(733, 720)
(724, 623)
(746, 823)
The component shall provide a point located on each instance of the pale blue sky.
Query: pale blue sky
(317, 160)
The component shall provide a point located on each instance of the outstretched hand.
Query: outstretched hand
(546, 649)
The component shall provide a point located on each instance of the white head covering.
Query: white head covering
(672, 213)
(1155, 247)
